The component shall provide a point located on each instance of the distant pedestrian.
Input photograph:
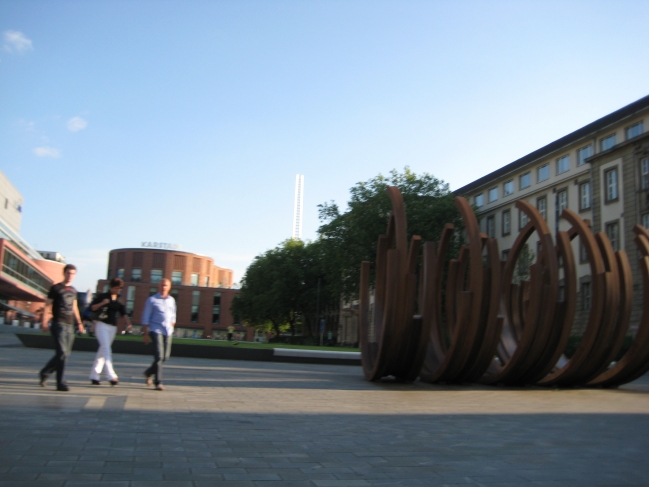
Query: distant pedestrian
(61, 303)
(106, 309)
(159, 320)
(230, 332)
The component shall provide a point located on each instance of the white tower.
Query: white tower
(298, 207)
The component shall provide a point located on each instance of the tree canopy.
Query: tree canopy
(281, 285)
(280, 288)
(351, 236)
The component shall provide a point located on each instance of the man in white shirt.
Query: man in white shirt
(159, 320)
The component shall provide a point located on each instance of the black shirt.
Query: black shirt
(63, 299)
(108, 313)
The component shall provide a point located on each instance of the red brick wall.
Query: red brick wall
(171, 261)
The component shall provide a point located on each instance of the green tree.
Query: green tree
(304, 282)
(350, 237)
(268, 287)
(523, 264)
(280, 288)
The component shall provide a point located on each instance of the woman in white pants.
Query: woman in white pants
(106, 308)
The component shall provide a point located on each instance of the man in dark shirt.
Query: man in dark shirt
(62, 303)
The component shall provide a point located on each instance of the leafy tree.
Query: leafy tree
(280, 288)
(523, 264)
(350, 237)
(271, 287)
(302, 282)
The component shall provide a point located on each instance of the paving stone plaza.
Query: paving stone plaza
(253, 424)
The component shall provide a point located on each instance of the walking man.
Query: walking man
(61, 302)
(158, 320)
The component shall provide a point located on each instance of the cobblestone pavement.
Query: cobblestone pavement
(253, 424)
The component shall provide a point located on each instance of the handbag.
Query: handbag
(101, 314)
(88, 314)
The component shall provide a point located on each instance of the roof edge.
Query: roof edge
(598, 124)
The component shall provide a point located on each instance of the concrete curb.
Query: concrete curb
(316, 356)
(89, 344)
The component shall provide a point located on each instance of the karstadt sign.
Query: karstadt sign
(161, 245)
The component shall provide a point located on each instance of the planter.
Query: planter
(88, 344)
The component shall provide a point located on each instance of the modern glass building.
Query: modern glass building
(25, 276)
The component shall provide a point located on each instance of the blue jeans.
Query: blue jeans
(161, 353)
(63, 340)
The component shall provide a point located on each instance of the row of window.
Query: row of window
(612, 230)
(585, 286)
(611, 180)
(156, 277)
(16, 267)
(196, 298)
(561, 203)
(562, 165)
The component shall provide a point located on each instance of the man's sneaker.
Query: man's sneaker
(148, 379)
(95, 382)
(114, 382)
(42, 379)
(62, 387)
(159, 387)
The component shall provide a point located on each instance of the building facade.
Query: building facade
(600, 171)
(203, 291)
(26, 275)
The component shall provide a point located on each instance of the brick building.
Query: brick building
(202, 290)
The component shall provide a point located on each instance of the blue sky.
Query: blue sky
(186, 122)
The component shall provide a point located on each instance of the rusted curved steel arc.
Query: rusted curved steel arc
(549, 281)
(518, 338)
(526, 324)
(400, 222)
(511, 293)
(596, 342)
(440, 261)
(635, 361)
(473, 328)
(437, 355)
(413, 254)
(396, 285)
(374, 368)
(441, 343)
(432, 309)
(390, 339)
(565, 313)
(380, 282)
(493, 322)
(392, 326)
(581, 228)
(454, 291)
(413, 346)
(563, 375)
(462, 307)
(612, 330)
(623, 319)
(642, 239)
(427, 304)
(465, 328)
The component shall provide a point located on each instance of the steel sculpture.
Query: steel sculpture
(468, 319)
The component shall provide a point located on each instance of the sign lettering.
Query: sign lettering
(161, 245)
